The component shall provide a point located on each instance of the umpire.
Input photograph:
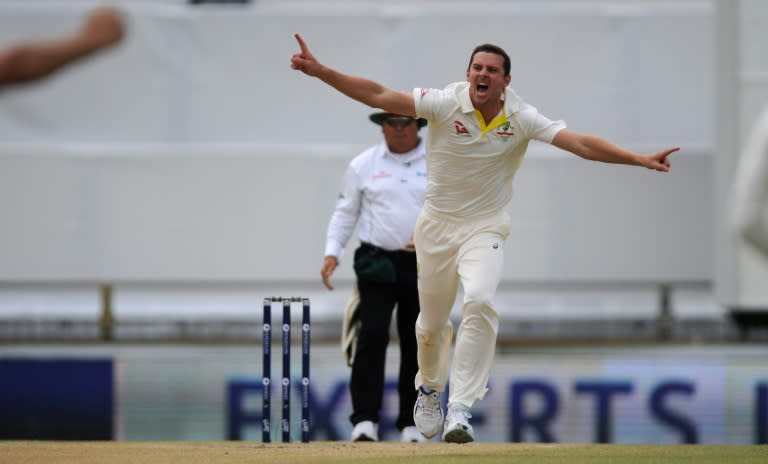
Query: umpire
(383, 190)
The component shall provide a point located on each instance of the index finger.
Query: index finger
(302, 45)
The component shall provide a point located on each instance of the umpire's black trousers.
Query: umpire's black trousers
(377, 303)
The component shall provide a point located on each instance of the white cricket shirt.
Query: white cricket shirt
(471, 166)
(382, 191)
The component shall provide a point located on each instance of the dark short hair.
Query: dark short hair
(496, 50)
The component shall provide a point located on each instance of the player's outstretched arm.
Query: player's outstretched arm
(31, 60)
(363, 90)
(598, 149)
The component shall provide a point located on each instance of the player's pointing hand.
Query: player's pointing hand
(304, 61)
(660, 160)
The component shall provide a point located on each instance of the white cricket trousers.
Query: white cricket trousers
(450, 250)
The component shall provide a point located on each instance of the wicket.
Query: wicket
(266, 412)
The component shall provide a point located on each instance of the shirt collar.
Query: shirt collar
(511, 101)
(409, 157)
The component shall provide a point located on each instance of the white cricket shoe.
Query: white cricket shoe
(427, 413)
(411, 434)
(457, 428)
(365, 431)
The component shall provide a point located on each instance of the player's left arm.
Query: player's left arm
(598, 149)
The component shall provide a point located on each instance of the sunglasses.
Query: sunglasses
(398, 121)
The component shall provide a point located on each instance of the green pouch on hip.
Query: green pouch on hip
(374, 266)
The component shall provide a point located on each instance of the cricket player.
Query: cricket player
(479, 132)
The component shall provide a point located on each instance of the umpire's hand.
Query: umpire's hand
(329, 265)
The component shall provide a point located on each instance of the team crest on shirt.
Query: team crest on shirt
(505, 130)
(461, 129)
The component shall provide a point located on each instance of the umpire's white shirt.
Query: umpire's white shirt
(382, 191)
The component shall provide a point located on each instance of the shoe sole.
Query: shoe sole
(458, 436)
(363, 438)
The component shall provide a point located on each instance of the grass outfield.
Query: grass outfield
(47, 452)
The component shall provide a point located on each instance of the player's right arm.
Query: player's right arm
(363, 90)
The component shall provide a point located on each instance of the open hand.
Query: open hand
(329, 265)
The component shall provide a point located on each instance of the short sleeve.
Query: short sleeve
(536, 126)
(433, 104)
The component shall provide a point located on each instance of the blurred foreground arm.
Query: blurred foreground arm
(28, 61)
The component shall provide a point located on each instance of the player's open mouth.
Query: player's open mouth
(482, 88)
